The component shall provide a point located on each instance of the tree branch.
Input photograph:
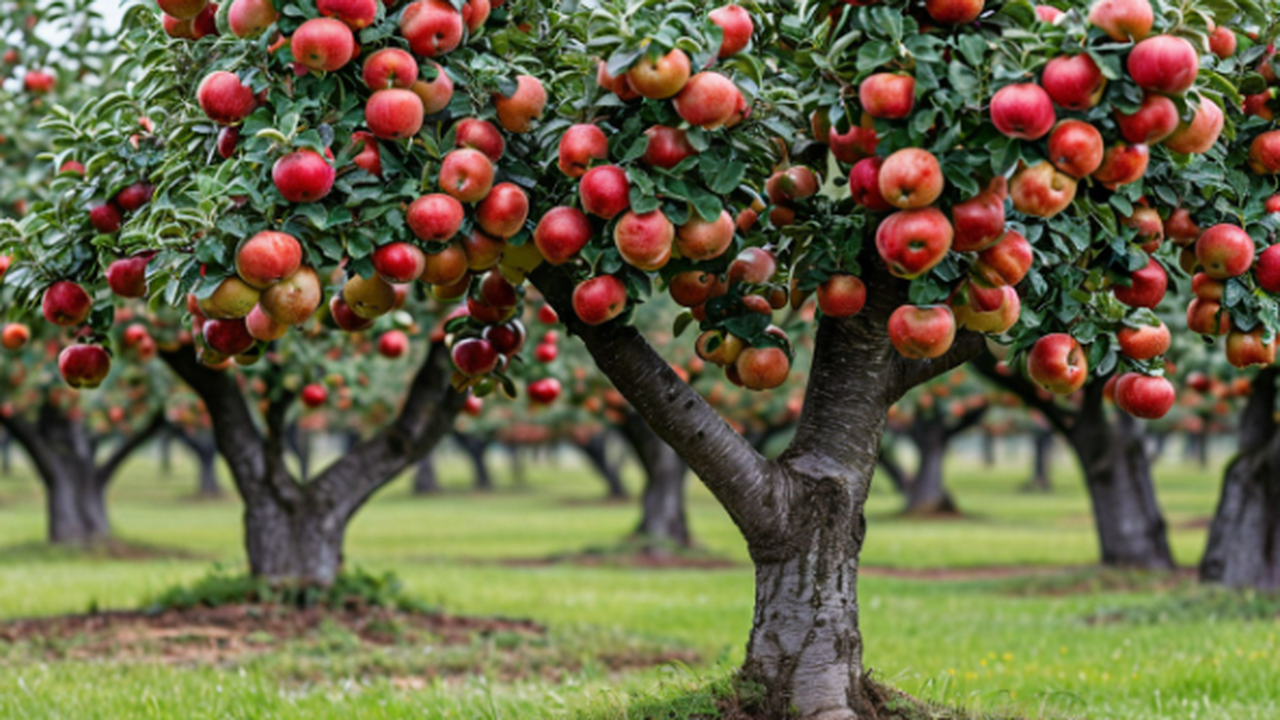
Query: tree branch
(744, 482)
(970, 418)
(107, 470)
(29, 438)
(1257, 421)
(1060, 418)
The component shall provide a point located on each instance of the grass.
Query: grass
(1069, 646)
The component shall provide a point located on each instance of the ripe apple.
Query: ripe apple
(480, 135)
(659, 77)
(1076, 148)
(1041, 190)
(1022, 110)
(1123, 20)
(1074, 82)
(323, 44)
(344, 317)
(66, 304)
(303, 176)
(1144, 396)
(753, 266)
(1164, 64)
(262, 327)
(467, 175)
(369, 154)
(545, 353)
(561, 233)
(1225, 251)
(1207, 317)
(912, 242)
(507, 338)
(700, 240)
(979, 221)
(517, 113)
(228, 139)
(954, 12)
(1122, 164)
(987, 310)
(599, 299)
(1264, 153)
(182, 9)
(250, 18)
(1153, 122)
(1145, 341)
(544, 391)
(1201, 133)
(864, 184)
(232, 298)
(889, 96)
(911, 178)
(293, 300)
(762, 368)
(1058, 364)
(842, 295)
(1006, 262)
(84, 367)
(1245, 349)
(435, 93)
(106, 218)
(39, 82)
(707, 100)
(694, 287)
(619, 85)
(922, 333)
(432, 27)
(718, 347)
(1048, 14)
(1261, 104)
(15, 336)
(314, 395)
(794, 183)
(389, 68)
(579, 145)
(357, 14)
(1222, 42)
(368, 297)
(399, 262)
(502, 213)
(267, 258)
(134, 196)
(1149, 226)
(735, 27)
(435, 218)
(667, 147)
(1180, 228)
(859, 142)
(224, 99)
(1147, 286)
(483, 252)
(394, 113)
(446, 267)
(605, 191)
(475, 13)
(227, 337)
(1268, 269)
(127, 277)
(644, 240)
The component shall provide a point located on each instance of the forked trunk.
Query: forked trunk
(77, 509)
(1131, 528)
(1244, 538)
(299, 545)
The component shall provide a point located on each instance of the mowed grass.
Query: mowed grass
(983, 644)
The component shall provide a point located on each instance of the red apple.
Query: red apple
(475, 13)
(435, 93)
(911, 178)
(517, 112)
(644, 240)
(922, 333)
(762, 368)
(912, 242)
(66, 304)
(1245, 349)
(858, 143)
(667, 147)
(369, 156)
(303, 176)
(1023, 111)
(84, 367)
(323, 45)
(1075, 148)
(262, 327)
(735, 26)
(435, 218)
(127, 277)
(1123, 20)
(1264, 153)
(619, 86)
(15, 336)
(1006, 262)
(182, 9)
(1145, 341)
(599, 299)
(753, 266)
(544, 391)
(987, 310)
(357, 14)
(864, 184)
(227, 337)
(1041, 190)
(503, 212)
(1149, 226)
(694, 287)
(707, 100)
(293, 300)
(250, 18)
(579, 145)
(106, 218)
(267, 258)
(394, 113)
(605, 191)
(1122, 164)
(1225, 251)
(432, 27)
(561, 233)
(1074, 82)
(1222, 42)
(507, 338)
(1268, 269)
(1207, 317)
(842, 296)
(1147, 286)
(480, 135)
(794, 183)
(345, 318)
(700, 240)
(228, 139)
(1144, 396)
(447, 267)
(1153, 122)
(389, 68)
(1201, 133)
(660, 76)
(1058, 364)
(979, 221)
(888, 95)
(1164, 64)
(134, 196)
(546, 353)
(399, 262)
(954, 12)
(1048, 14)
(467, 175)
(314, 395)
(483, 252)
(224, 99)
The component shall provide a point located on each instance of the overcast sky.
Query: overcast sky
(111, 10)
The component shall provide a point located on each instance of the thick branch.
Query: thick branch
(29, 438)
(108, 469)
(742, 480)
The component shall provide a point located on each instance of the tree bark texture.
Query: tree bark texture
(663, 519)
(1243, 549)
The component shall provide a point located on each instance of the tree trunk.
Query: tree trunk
(596, 448)
(209, 487)
(6, 456)
(926, 493)
(1131, 528)
(76, 506)
(300, 443)
(476, 447)
(663, 521)
(988, 449)
(1041, 448)
(1244, 539)
(299, 545)
(425, 481)
(165, 441)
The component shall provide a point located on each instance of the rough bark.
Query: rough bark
(1112, 454)
(801, 514)
(596, 450)
(1243, 549)
(75, 482)
(476, 447)
(425, 481)
(294, 531)
(663, 520)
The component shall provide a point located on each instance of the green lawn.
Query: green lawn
(982, 644)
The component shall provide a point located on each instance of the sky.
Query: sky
(111, 10)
